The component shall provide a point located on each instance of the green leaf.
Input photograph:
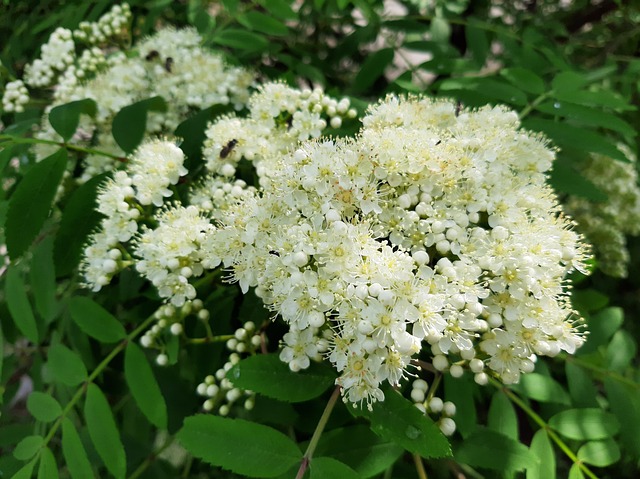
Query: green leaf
(576, 138)
(79, 219)
(575, 472)
(602, 98)
(329, 468)
(25, 216)
(65, 118)
(620, 351)
(19, 305)
(600, 453)
(28, 447)
(372, 69)
(144, 387)
(585, 424)
(568, 81)
(541, 388)
(492, 450)
(263, 23)
(360, 449)
(43, 406)
(624, 402)
(66, 366)
(581, 388)
(25, 471)
(601, 327)
(440, 29)
(241, 39)
(524, 79)
(542, 449)
(587, 116)
(95, 321)
(266, 374)
(217, 440)
(502, 416)
(589, 300)
(104, 432)
(279, 8)
(5, 156)
(1, 359)
(483, 89)
(564, 178)
(74, 452)
(478, 43)
(43, 279)
(48, 468)
(130, 123)
(398, 420)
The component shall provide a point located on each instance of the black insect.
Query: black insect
(438, 142)
(153, 54)
(168, 63)
(458, 108)
(226, 151)
(274, 252)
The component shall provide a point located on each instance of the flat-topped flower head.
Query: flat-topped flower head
(432, 230)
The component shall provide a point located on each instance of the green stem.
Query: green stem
(605, 372)
(422, 474)
(308, 454)
(531, 106)
(541, 422)
(101, 367)
(150, 458)
(69, 146)
(210, 339)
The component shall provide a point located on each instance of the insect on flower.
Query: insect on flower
(168, 64)
(153, 54)
(228, 148)
(458, 108)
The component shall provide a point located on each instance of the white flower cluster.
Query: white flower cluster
(217, 388)
(172, 252)
(58, 55)
(279, 117)
(15, 96)
(55, 56)
(169, 325)
(171, 64)
(155, 165)
(215, 195)
(433, 230)
(607, 223)
(114, 22)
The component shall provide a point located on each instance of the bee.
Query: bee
(152, 55)
(226, 151)
(168, 64)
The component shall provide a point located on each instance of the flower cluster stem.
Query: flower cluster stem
(308, 454)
